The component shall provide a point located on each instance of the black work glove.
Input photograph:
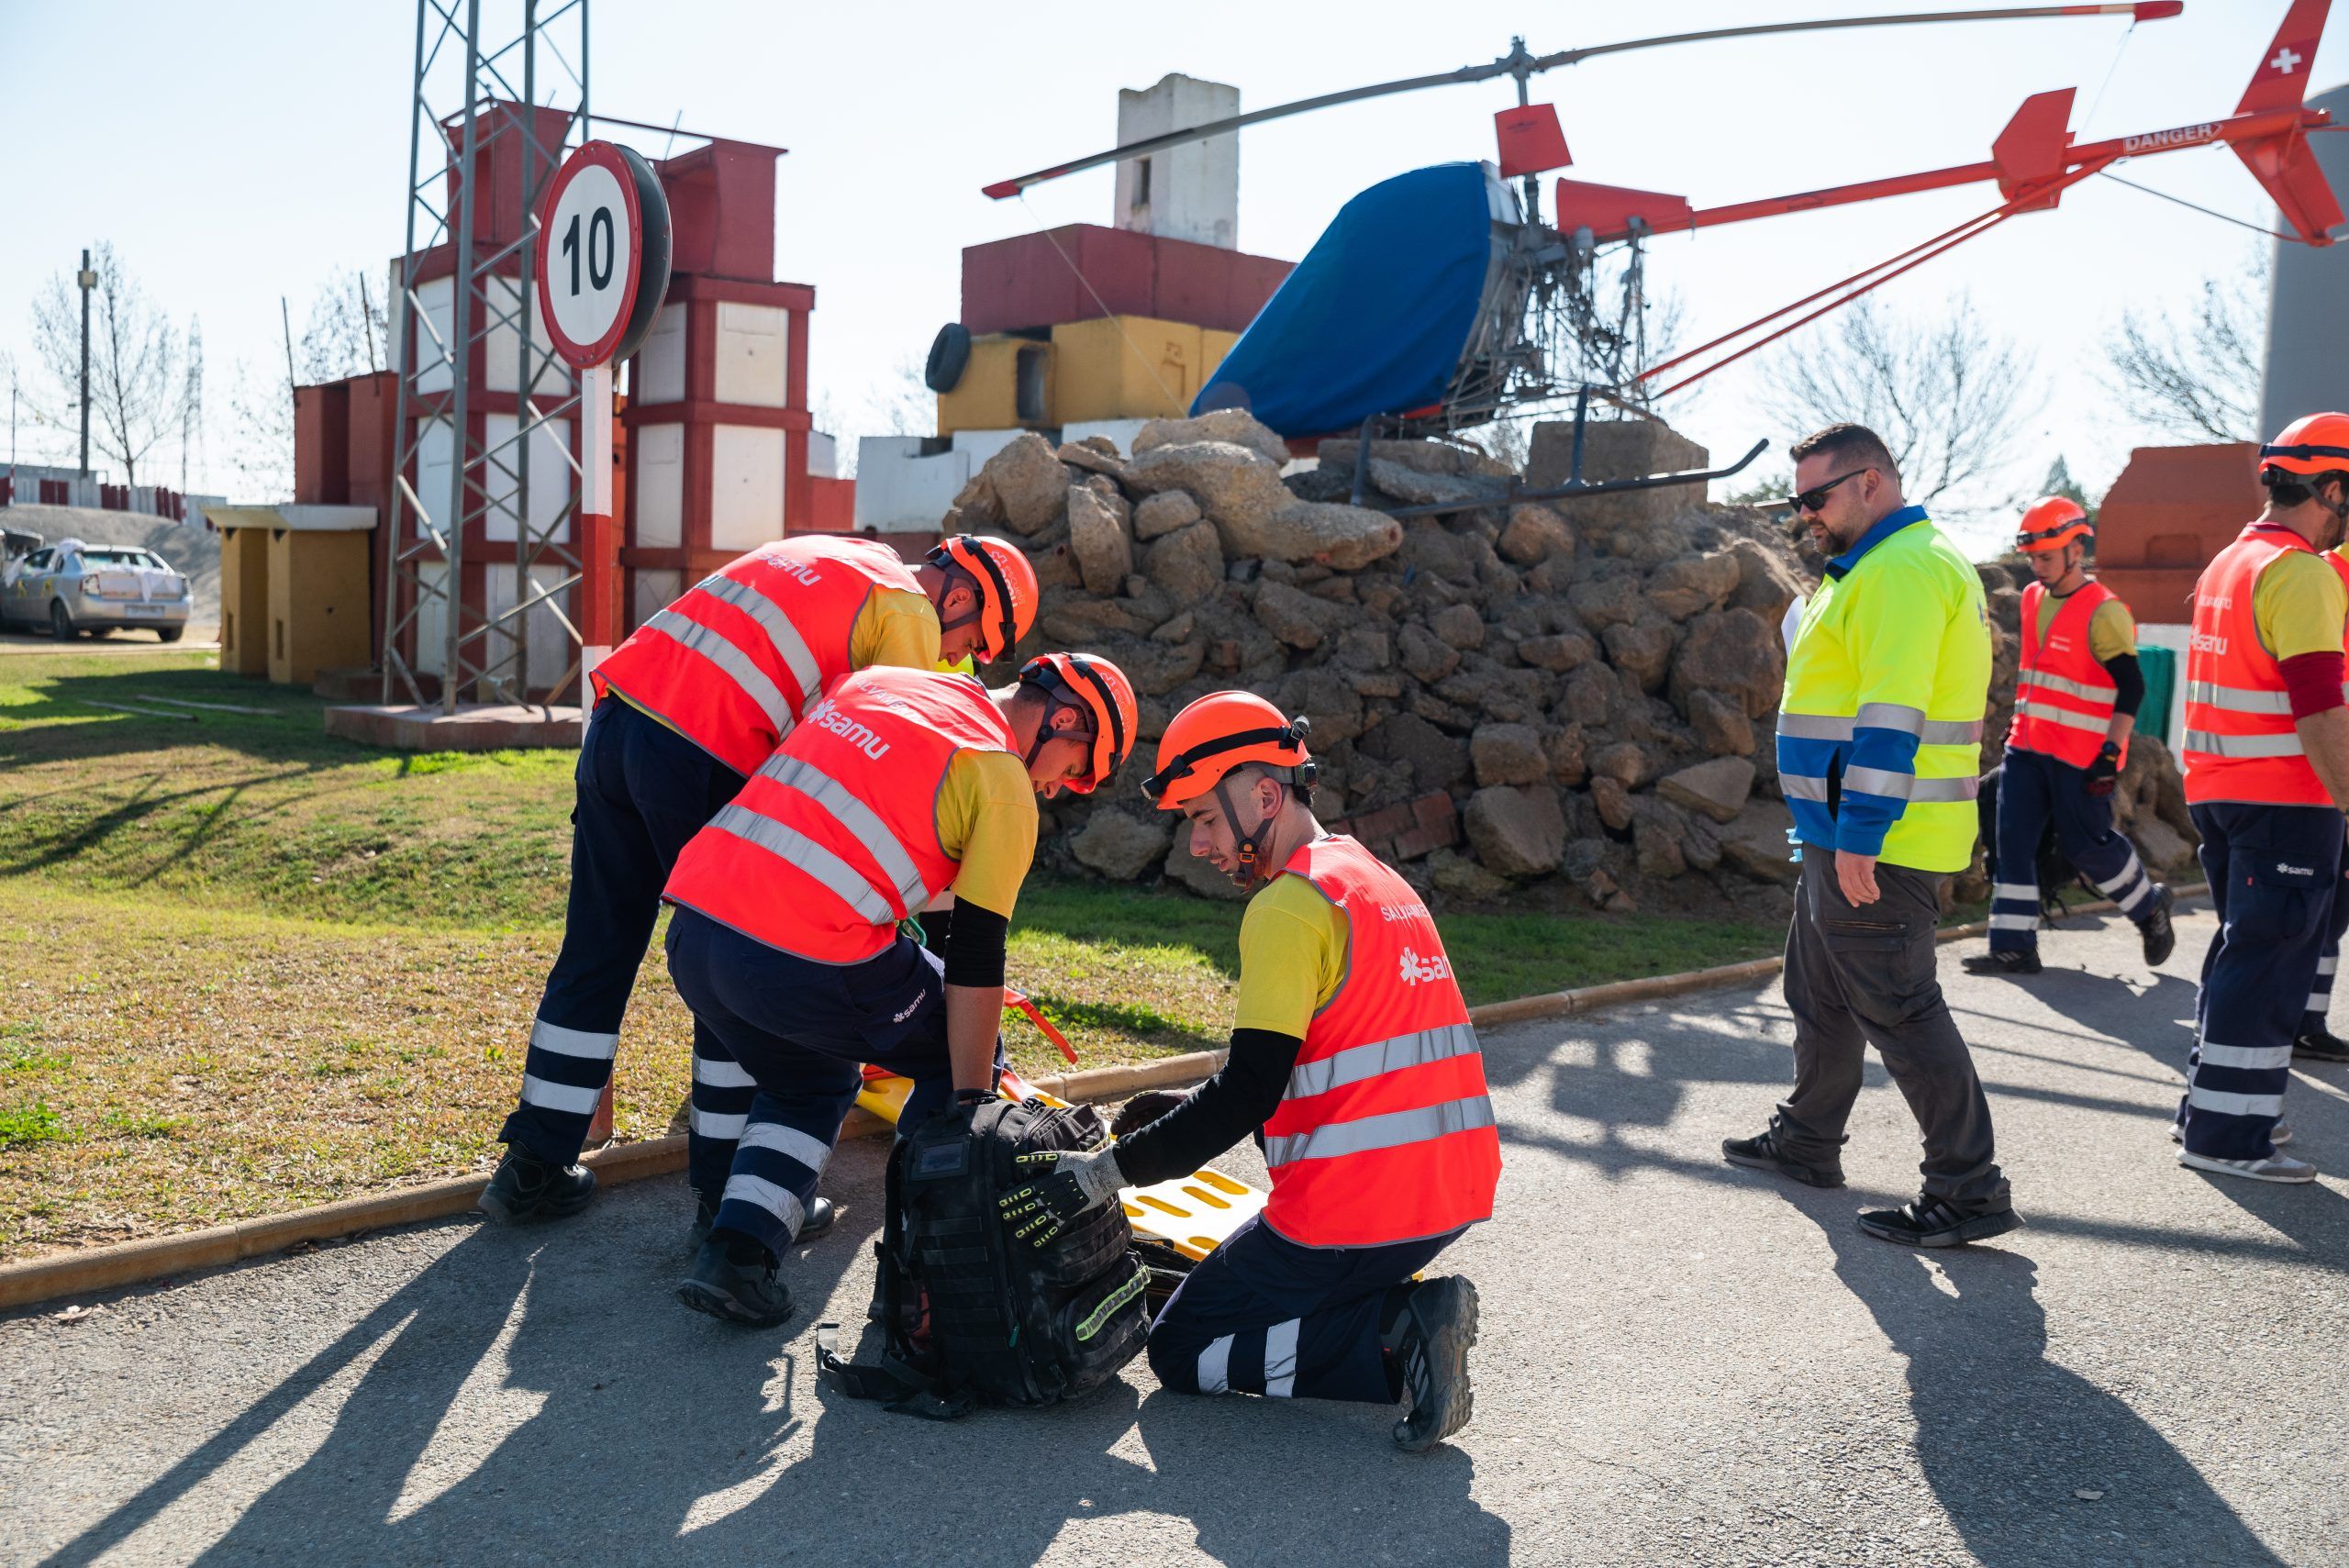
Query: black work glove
(1064, 1185)
(1143, 1110)
(2104, 771)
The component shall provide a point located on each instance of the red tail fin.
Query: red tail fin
(2286, 165)
(2282, 78)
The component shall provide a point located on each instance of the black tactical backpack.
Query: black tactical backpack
(968, 1315)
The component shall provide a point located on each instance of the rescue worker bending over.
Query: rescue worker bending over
(686, 708)
(786, 941)
(1352, 1059)
(2267, 754)
(2075, 701)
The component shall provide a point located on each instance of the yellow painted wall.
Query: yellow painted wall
(1216, 345)
(1125, 367)
(987, 398)
(318, 601)
(244, 601)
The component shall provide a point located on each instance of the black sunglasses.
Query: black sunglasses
(1814, 497)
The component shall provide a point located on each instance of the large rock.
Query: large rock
(1098, 538)
(1120, 845)
(1615, 449)
(1339, 452)
(1517, 832)
(1426, 656)
(1343, 538)
(976, 508)
(1236, 426)
(1612, 600)
(1565, 748)
(1437, 760)
(1720, 725)
(1417, 487)
(1534, 534)
(1297, 618)
(1730, 652)
(1611, 800)
(1365, 647)
(1084, 620)
(2159, 845)
(1187, 564)
(1095, 454)
(1329, 699)
(1164, 513)
(1589, 697)
(1029, 481)
(1656, 834)
(1756, 843)
(1719, 788)
(1682, 587)
(1560, 653)
(1196, 873)
(1235, 486)
(1462, 878)
(1641, 649)
(1767, 580)
(1509, 754)
(1458, 625)
(1625, 761)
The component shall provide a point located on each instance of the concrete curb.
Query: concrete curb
(133, 1263)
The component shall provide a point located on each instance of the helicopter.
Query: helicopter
(1442, 299)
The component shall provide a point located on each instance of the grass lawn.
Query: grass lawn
(251, 967)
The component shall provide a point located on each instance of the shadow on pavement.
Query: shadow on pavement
(2005, 1437)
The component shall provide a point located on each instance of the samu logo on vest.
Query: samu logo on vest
(1415, 969)
(800, 572)
(825, 716)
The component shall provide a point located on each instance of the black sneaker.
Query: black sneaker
(2161, 937)
(820, 1215)
(2321, 1045)
(527, 1187)
(747, 1292)
(2013, 960)
(1761, 1152)
(1439, 1326)
(1933, 1223)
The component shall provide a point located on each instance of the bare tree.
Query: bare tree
(1950, 396)
(260, 450)
(2196, 378)
(347, 333)
(135, 361)
(902, 402)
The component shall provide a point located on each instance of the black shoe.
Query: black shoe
(1762, 1154)
(1439, 1326)
(2013, 960)
(2161, 937)
(1933, 1223)
(820, 1215)
(527, 1187)
(748, 1292)
(2321, 1045)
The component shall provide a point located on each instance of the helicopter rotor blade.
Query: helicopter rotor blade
(1518, 61)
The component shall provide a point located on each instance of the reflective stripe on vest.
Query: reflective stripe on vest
(731, 664)
(2064, 700)
(863, 822)
(788, 843)
(1877, 781)
(1882, 716)
(1386, 1133)
(2239, 743)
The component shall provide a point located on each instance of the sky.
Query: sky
(233, 154)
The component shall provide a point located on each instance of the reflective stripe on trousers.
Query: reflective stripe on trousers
(1358, 1062)
(1391, 1130)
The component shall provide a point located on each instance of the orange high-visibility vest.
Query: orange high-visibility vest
(2239, 743)
(2063, 698)
(731, 665)
(834, 839)
(1386, 1133)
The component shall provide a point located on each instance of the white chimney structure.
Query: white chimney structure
(1183, 193)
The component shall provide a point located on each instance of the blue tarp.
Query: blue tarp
(1374, 318)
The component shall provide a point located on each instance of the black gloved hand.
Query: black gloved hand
(1143, 1110)
(1065, 1185)
(2104, 771)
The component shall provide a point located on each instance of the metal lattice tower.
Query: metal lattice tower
(507, 91)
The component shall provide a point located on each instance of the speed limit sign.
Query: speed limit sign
(603, 253)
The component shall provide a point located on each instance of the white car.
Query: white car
(73, 587)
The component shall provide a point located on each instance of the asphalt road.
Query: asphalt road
(1682, 1362)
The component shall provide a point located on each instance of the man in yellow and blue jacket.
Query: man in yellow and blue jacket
(1879, 744)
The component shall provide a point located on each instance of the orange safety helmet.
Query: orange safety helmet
(999, 576)
(2310, 446)
(2051, 523)
(1222, 732)
(1098, 691)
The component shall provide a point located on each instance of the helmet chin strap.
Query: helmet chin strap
(1055, 705)
(1251, 845)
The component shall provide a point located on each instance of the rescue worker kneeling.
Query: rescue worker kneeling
(786, 939)
(1352, 1059)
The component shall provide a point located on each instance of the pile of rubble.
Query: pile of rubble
(1576, 698)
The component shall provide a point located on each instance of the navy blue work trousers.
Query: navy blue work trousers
(2032, 788)
(643, 791)
(802, 1030)
(2273, 871)
(1263, 1315)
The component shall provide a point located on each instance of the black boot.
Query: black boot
(2161, 937)
(527, 1187)
(1432, 1338)
(734, 1278)
(1763, 1152)
(1932, 1222)
(820, 1215)
(2012, 961)
(2321, 1045)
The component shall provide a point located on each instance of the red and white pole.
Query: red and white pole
(599, 585)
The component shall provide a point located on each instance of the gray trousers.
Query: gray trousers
(1863, 976)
